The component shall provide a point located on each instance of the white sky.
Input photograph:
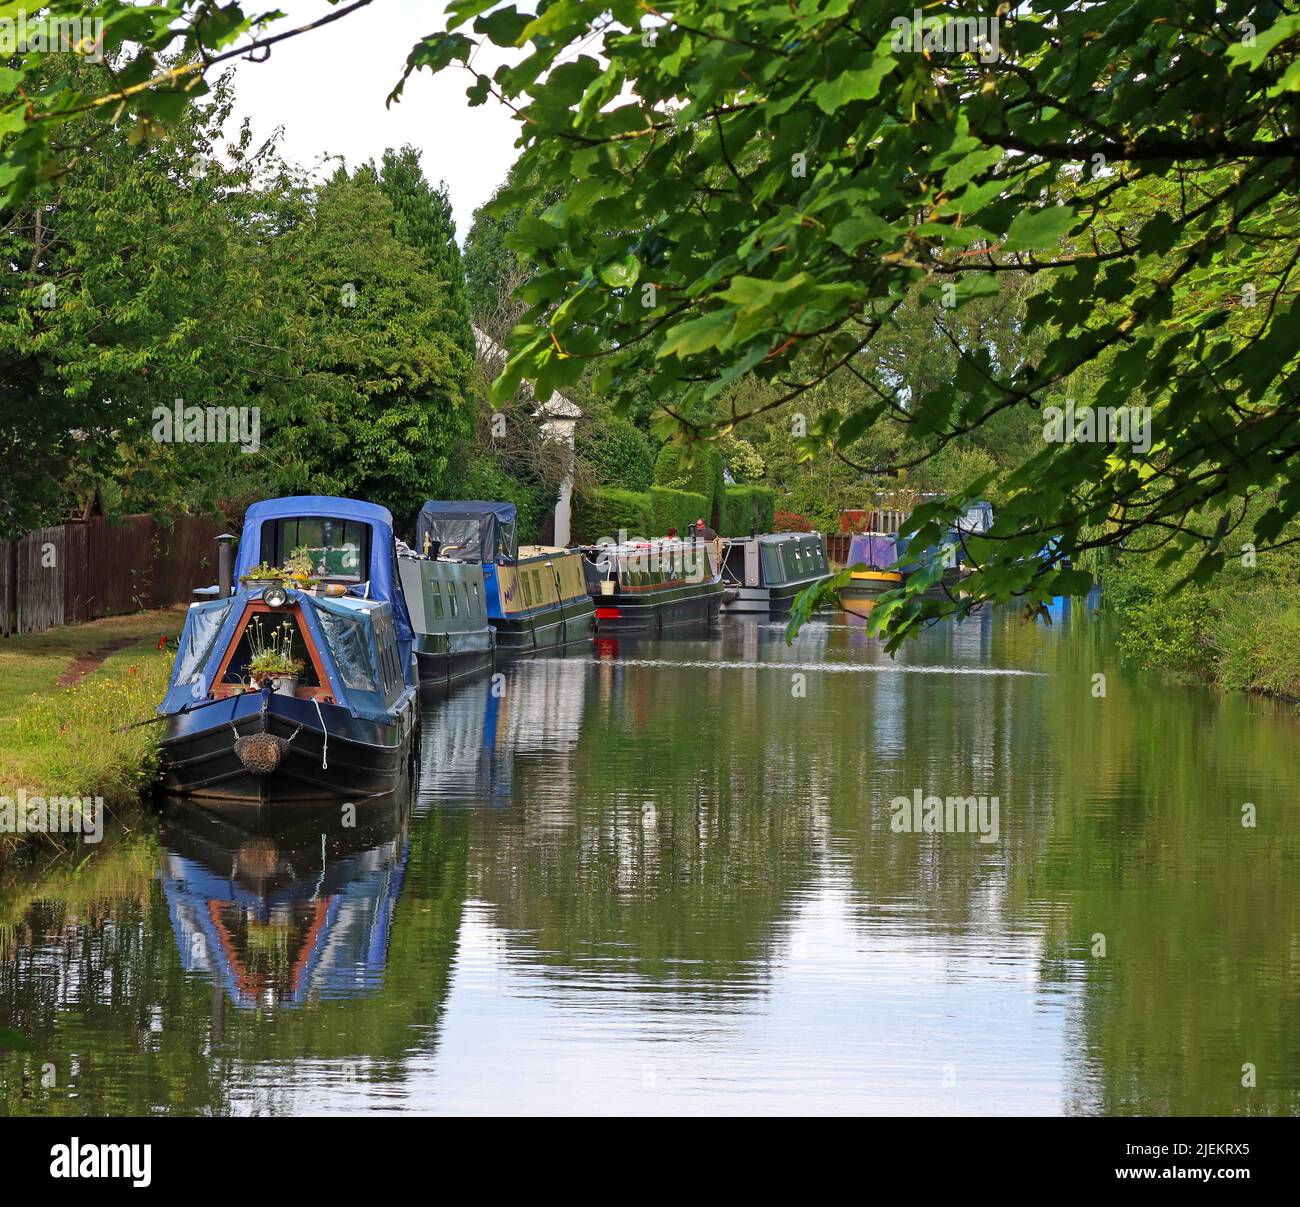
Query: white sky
(327, 89)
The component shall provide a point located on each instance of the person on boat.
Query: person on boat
(671, 534)
(706, 534)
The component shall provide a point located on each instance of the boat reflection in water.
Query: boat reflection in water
(283, 915)
(470, 742)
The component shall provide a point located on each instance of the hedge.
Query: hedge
(696, 468)
(676, 508)
(744, 506)
(604, 510)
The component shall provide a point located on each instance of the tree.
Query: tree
(758, 191)
(130, 281)
(382, 382)
(425, 222)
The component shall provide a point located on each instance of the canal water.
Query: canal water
(677, 877)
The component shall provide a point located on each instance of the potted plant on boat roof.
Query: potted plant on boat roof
(299, 570)
(271, 659)
(262, 575)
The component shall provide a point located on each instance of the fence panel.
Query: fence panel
(40, 580)
(76, 573)
(102, 567)
(8, 588)
(121, 564)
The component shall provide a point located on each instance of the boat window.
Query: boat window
(478, 601)
(451, 598)
(266, 630)
(435, 596)
(340, 549)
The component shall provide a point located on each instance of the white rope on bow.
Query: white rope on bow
(325, 737)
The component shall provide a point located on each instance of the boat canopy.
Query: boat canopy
(874, 550)
(263, 528)
(470, 530)
(350, 636)
(977, 520)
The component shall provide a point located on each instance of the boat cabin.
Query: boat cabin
(347, 625)
(535, 595)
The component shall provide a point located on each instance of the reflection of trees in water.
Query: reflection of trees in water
(1200, 914)
(101, 989)
(666, 842)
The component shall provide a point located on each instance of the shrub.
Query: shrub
(676, 508)
(790, 521)
(1257, 639)
(604, 510)
(615, 452)
(747, 509)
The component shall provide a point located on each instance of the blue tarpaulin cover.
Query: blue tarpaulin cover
(875, 551)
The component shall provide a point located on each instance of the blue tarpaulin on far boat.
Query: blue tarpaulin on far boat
(470, 530)
(876, 551)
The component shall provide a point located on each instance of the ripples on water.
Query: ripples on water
(661, 877)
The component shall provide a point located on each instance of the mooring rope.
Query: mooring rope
(325, 737)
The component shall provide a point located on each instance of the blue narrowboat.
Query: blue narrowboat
(335, 716)
(536, 595)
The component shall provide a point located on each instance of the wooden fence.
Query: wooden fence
(102, 567)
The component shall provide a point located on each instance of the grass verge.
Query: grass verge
(69, 740)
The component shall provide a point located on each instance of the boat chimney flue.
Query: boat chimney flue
(225, 565)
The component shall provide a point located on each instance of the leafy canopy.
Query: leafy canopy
(754, 190)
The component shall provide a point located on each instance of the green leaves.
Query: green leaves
(858, 85)
(1038, 228)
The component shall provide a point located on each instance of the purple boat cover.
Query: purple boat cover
(874, 550)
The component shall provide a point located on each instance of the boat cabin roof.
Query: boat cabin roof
(469, 530)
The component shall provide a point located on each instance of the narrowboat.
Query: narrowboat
(536, 596)
(974, 522)
(876, 554)
(767, 571)
(296, 687)
(653, 586)
(454, 640)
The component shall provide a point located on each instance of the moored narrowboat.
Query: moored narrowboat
(765, 572)
(872, 557)
(654, 586)
(535, 595)
(454, 640)
(296, 687)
